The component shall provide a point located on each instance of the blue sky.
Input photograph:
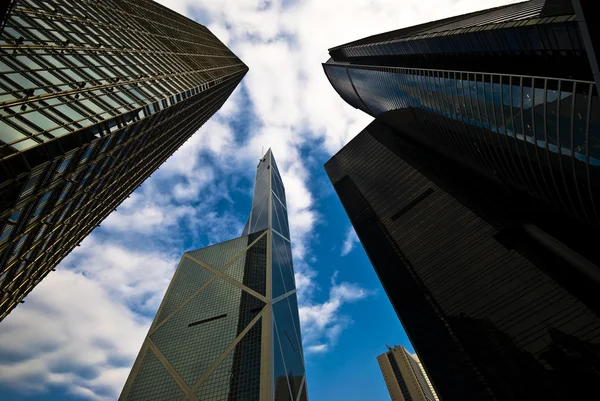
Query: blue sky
(79, 331)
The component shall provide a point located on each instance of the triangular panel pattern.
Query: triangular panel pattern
(281, 389)
(251, 268)
(218, 255)
(260, 215)
(201, 331)
(282, 265)
(237, 377)
(261, 185)
(276, 182)
(293, 305)
(303, 393)
(292, 354)
(190, 276)
(246, 230)
(280, 221)
(153, 382)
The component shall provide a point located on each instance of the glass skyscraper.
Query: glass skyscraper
(475, 194)
(510, 92)
(228, 326)
(94, 97)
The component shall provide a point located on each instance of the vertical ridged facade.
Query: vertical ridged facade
(228, 327)
(495, 306)
(94, 97)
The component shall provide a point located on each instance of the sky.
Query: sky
(79, 331)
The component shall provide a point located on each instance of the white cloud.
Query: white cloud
(349, 242)
(73, 334)
(322, 323)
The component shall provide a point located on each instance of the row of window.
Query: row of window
(561, 35)
(79, 88)
(87, 205)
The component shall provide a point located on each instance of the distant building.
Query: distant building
(94, 97)
(228, 327)
(475, 193)
(404, 376)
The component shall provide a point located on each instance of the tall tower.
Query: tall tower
(510, 92)
(228, 326)
(475, 193)
(94, 97)
(404, 376)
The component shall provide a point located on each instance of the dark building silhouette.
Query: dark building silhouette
(228, 327)
(94, 97)
(495, 301)
(475, 193)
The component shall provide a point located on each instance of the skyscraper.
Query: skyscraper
(509, 92)
(94, 97)
(228, 326)
(495, 300)
(404, 376)
(474, 194)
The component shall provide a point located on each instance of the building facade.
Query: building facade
(495, 299)
(94, 97)
(475, 194)
(228, 326)
(404, 376)
(510, 92)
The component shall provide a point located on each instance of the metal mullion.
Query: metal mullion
(548, 145)
(439, 128)
(453, 125)
(460, 140)
(525, 142)
(107, 86)
(504, 122)
(587, 151)
(493, 135)
(498, 134)
(449, 70)
(577, 187)
(95, 23)
(91, 200)
(485, 132)
(471, 129)
(535, 145)
(515, 138)
(412, 75)
(476, 129)
(559, 145)
(57, 49)
(435, 129)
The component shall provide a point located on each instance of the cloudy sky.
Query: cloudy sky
(79, 331)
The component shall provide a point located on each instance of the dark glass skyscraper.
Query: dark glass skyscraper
(474, 195)
(228, 326)
(94, 97)
(508, 91)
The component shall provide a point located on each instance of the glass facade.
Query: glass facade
(509, 91)
(228, 327)
(540, 135)
(94, 96)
